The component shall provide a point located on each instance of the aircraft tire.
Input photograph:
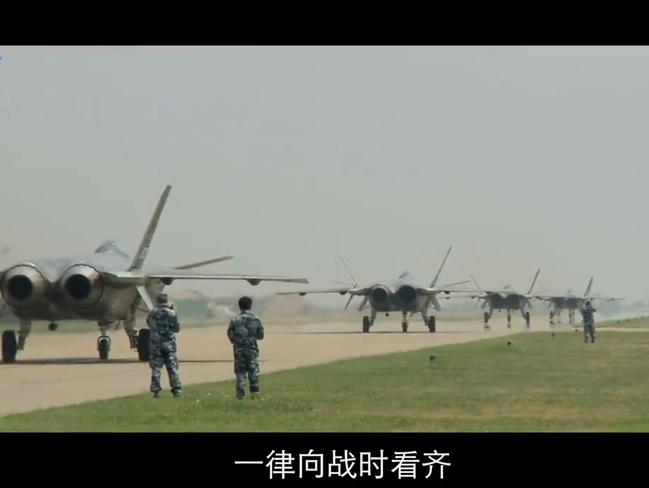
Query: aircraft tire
(9, 346)
(404, 326)
(103, 346)
(366, 324)
(431, 324)
(143, 337)
(527, 318)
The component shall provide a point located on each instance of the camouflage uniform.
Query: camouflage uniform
(244, 331)
(163, 323)
(589, 322)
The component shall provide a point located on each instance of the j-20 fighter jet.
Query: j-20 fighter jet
(506, 299)
(106, 286)
(571, 302)
(400, 295)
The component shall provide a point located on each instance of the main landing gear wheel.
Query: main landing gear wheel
(527, 319)
(366, 324)
(404, 326)
(486, 321)
(9, 346)
(103, 346)
(143, 337)
(431, 324)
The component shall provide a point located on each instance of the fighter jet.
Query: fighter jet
(506, 299)
(571, 302)
(106, 286)
(400, 295)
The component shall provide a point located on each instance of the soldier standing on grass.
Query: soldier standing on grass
(588, 314)
(244, 331)
(164, 325)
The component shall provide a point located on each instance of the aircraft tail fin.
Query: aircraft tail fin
(348, 272)
(142, 251)
(439, 271)
(476, 283)
(534, 281)
(590, 285)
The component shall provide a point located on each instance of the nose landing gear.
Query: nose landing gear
(431, 324)
(103, 346)
(366, 324)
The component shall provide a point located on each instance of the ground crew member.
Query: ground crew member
(244, 331)
(164, 324)
(588, 314)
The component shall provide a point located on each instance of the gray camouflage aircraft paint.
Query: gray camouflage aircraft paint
(571, 302)
(506, 299)
(400, 295)
(106, 286)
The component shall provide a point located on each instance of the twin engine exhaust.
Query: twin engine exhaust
(24, 285)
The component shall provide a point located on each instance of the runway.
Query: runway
(63, 369)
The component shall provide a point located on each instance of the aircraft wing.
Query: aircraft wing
(605, 298)
(139, 277)
(549, 297)
(501, 292)
(342, 291)
(435, 291)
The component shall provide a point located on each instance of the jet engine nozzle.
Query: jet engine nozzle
(379, 294)
(23, 285)
(407, 294)
(82, 285)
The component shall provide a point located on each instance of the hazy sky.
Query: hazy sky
(287, 157)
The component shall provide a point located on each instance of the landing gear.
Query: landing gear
(129, 328)
(509, 319)
(53, 326)
(431, 324)
(404, 322)
(366, 324)
(103, 346)
(143, 337)
(551, 317)
(9, 346)
(487, 316)
(23, 333)
(527, 319)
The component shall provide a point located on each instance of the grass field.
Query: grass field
(538, 383)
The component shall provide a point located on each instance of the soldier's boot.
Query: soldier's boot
(156, 394)
(176, 385)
